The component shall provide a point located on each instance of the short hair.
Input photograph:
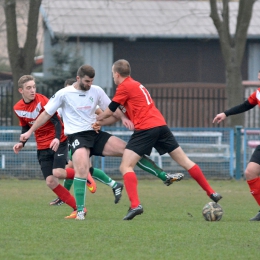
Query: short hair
(86, 70)
(24, 79)
(69, 82)
(122, 67)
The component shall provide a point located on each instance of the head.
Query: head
(27, 87)
(69, 82)
(121, 69)
(85, 77)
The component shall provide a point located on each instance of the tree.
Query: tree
(232, 48)
(21, 58)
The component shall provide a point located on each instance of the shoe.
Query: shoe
(172, 177)
(56, 202)
(134, 212)
(91, 184)
(74, 214)
(118, 191)
(80, 215)
(256, 217)
(215, 197)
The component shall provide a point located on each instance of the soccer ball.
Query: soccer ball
(212, 211)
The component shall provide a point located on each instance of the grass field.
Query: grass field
(172, 226)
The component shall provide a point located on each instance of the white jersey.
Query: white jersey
(78, 107)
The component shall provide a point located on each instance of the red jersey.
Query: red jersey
(27, 114)
(254, 98)
(139, 105)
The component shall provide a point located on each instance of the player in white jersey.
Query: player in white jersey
(78, 103)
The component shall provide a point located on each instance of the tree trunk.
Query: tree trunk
(232, 48)
(21, 59)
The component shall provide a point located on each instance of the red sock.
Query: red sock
(65, 196)
(130, 182)
(196, 173)
(254, 186)
(70, 173)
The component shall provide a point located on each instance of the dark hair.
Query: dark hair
(69, 82)
(86, 70)
(24, 79)
(122, 67)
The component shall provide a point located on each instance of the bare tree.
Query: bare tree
(21, 58)
(233, 48)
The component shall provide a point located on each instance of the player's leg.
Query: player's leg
(115, 147)
(101, 176)
(195, 172)
(46, 159)
(128, 163)
(252, 174)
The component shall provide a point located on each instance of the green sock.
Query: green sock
(102, 177)
(80, 192)
(67, 183)
(148, 165)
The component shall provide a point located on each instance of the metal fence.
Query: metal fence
(211, 148)
(182, 104)
(6, 101)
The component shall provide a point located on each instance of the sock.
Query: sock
(131, 182)
(70, 173)
(254, 186)
(67, 183)
(102, 177)
(65, 196)
(80, 192)
(196, 173)
(148, 165)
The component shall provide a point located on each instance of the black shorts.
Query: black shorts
(161, 138)
(256, 155)
(49, 160)
(89, 139)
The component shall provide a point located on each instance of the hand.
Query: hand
(96, 127)
(219, 117)
(17, 147)
(55, 144)
(128, 123)
(25, 136)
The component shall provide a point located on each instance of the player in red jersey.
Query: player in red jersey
(252, 172)
(151, 131)
(52, 145)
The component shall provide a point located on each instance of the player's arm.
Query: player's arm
(42, 119)
(54, 145)
(109, 111)
(233, 111)
(17, 147)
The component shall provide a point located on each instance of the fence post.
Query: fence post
(238, 151)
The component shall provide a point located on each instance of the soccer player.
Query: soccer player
(252, 172)
(79, 103)
(52, 145)
(117, 187)
(150, 131)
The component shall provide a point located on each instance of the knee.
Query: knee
(249, 174)
(52, 182)
(59, 173)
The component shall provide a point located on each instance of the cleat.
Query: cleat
(172, 177)
(118, 191)
(215, 197)
(56, 202)
(91, 184)
(134, 212)
(74, 214)
(80, 215)
(256, 217)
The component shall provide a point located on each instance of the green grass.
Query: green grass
(172, 226)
